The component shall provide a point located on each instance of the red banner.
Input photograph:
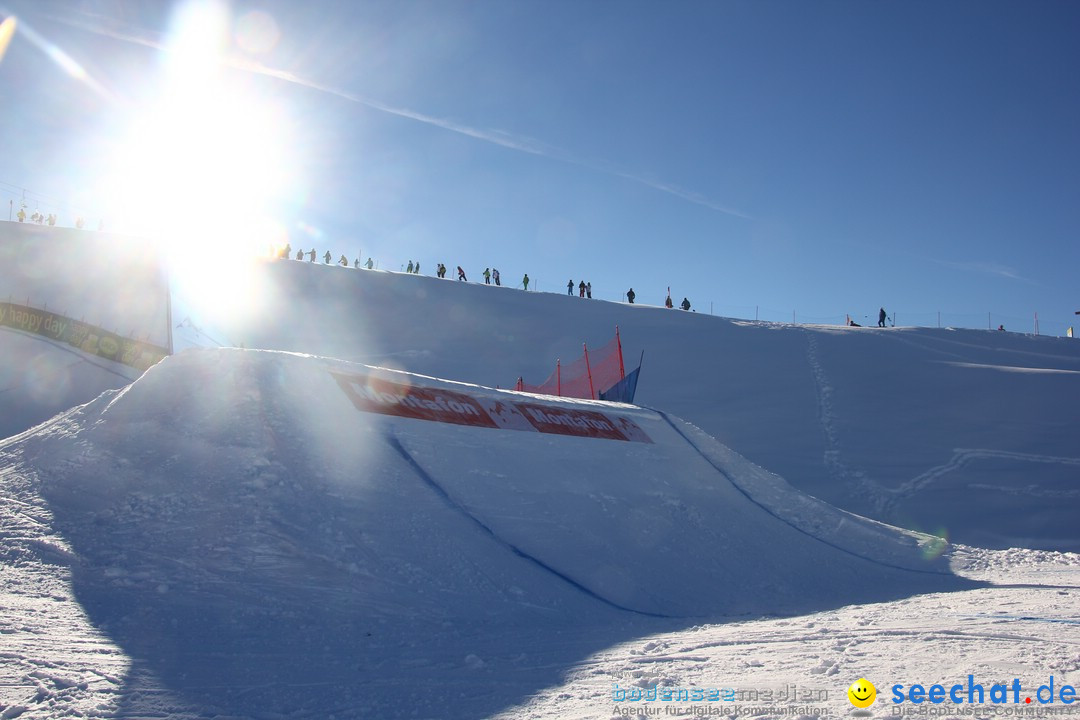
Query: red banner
(371, 394)
(566, 421)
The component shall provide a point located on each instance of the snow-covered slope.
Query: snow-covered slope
(40, 378)
(963, 433)
(263, 534)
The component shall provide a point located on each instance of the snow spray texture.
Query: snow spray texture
(371, 394)
(88, 338)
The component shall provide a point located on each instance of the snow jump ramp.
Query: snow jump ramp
(276, 531)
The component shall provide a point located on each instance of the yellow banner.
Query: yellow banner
(84, 336)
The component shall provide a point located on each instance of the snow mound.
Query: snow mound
(261, 530)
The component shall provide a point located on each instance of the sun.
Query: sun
(202, 166)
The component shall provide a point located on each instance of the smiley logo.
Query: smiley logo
(862, 693)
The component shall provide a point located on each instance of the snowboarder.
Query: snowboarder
(461, 275)
(326, 257)
(588, 290)
(685, 305)
(630, 295)
(300, 253)
(495, 276)
(581, 289)
(416, 268)
(487, 276)
(370, 264)
(440, 270)
(570, 287)
(881, 317)
(344, 261)
(667, 302)
(311, 255)
(409, 268)
(525, 281)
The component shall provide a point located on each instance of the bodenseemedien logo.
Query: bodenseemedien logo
(862, 693)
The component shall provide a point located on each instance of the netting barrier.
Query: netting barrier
(592, 374)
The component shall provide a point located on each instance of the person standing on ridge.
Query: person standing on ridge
(343, 261)
(495, 275)
(408, 269)
(630, 295)
(581, 289)
(667, 302)
(487, 276)
(326, 257)
(370, 263)
(525, 281)
(588, 290)
(461, 275)
(287, 252)
(311, 255)
(570, 287)
(685, 304)
(300, 254)
(881, 317)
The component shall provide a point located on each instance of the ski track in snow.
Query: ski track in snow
(837, 469)
(962, 457)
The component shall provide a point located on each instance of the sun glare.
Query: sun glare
(202, 168)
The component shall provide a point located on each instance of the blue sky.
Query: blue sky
(770, 159)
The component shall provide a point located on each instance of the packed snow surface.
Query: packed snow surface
(268, 534)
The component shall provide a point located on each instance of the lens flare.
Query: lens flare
(7, 31)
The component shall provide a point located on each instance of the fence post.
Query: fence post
(618, 342)
(592, 395)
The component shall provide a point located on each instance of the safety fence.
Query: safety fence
(597, 374)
